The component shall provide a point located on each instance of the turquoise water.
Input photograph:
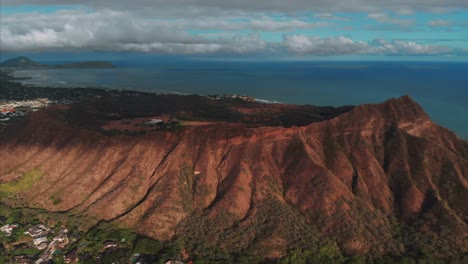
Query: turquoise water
(441, 88)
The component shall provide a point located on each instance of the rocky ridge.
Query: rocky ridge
(354, 178)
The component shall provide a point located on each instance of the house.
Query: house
(61, 238)
(42, 246)
(39, 241)
(71, 256)
(154, 122)
(37, 230)
(7, 229)
(110, 244)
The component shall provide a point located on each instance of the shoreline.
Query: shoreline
(8, 78)
(13, 89)
(18, 100)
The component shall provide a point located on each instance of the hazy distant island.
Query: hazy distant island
(25, 62)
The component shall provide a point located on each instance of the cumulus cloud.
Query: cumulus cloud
(323, 46)
(330, 16)
(439, 23)
(400, 6)
(235, 45)
(301, 44)
(56, 20)
(233, 33)
(117, 30)
(386, 19)
(263, 24)
(399, 47)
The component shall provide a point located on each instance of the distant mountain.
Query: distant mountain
(24, 62)
(21, 62)
(87, 64)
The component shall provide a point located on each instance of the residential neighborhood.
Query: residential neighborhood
(36, 238)
(10, 109)
(40, 244)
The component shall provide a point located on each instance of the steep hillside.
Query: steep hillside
(378, 179)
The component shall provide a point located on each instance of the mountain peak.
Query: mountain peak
(402, 109)
(405, 108)
(405, 99)
(22, 62)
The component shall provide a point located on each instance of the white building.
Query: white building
(39, 241)
(7, 229)
(153, 122)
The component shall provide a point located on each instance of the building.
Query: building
(110, 244)
(42, 246)
(154, 122)
(61, 238)
(37, 230)
(8, 229)
(39, 240)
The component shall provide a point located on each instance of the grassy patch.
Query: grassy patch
(55, 200)
(22, 184)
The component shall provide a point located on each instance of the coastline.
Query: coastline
(30, 91)
(88, 93)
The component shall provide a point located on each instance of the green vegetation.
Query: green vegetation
(93, 240)
(329, 253)
(24, 183)
(27, 251)
(223, 239)
(144, 245)
(55, 200)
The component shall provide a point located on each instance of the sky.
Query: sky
(432, 30)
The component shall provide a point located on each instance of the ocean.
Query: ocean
(440, 87)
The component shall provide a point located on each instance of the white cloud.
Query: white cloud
(413, 48)
(330, 16)
(301, 44)
(56, 20)
(235, 45)
(439, 23)
(203, 7)
(386, 19)
(323, 46)
(117, 30)
(263, 24)
(110, 30)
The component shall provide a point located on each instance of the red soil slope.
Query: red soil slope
(352, 176)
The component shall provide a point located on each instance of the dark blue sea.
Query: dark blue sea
(441, 88)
